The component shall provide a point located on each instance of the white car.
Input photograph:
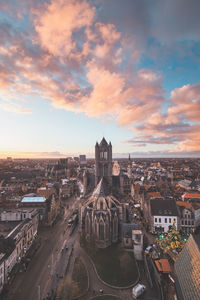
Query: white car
(148, 250)
(138, 290)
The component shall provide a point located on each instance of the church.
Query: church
(101, 214)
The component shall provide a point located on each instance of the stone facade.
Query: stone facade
(103, 162)
(101, 216)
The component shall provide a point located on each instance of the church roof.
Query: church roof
(103, 142)
(101, 189)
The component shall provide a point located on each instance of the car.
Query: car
(148, 250)
(138, 290)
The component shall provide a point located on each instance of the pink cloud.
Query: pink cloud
(56, 24)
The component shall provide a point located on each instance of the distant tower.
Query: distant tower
(103, 161)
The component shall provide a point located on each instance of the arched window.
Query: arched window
(95, 228)
(115, 227)
(101, 205)
(107, 229)
(101, 230)
(87, 227)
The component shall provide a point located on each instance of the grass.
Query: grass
(79, 278)
(71, 289)
(116, 266)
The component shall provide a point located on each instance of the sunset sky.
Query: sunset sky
(73, 71)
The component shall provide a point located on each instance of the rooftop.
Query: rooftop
(191, 195)
(163, 207)
(163, 265)
(33, 200)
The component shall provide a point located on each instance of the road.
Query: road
(44, 263)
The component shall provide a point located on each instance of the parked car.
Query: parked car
(148, 250)
(138, 290)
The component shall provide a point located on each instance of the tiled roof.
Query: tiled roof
(163, 207)
(163, 265)
(182, 203)
(192, 195)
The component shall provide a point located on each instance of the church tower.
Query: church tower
(103, 162)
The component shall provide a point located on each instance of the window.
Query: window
(170, 220)
(101, 205)
(188, 222)
(105, 155)
(165, 220)
(185, 222)
(182, 222)
(101, 230)
(159, 220)
(156, 220)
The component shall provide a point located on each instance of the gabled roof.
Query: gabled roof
(163, 207)
(103, 143)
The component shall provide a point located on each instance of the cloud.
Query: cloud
(57, 24)
(84, 58)
(175, 20)
(12, 106)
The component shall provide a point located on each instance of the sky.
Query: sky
(73, 71)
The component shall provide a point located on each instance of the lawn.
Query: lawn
(116, 266)
(79, 279)
(68, 290)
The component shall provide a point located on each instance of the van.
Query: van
(138, 290)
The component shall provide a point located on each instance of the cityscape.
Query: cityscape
(78, 228)
(100, 150)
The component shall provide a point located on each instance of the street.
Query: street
(38, 276)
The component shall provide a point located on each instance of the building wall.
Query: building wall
(197, 217)
(164, 222)
(2, 263)
(187, 268)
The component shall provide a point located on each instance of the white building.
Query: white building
(163, 214)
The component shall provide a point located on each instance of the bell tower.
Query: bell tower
(103, 161)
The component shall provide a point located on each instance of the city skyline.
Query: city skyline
(74, 71)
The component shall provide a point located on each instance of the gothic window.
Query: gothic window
(101, 230)
(105, 155)
(95, 227)
(101, 205)
(101, 155)
(107, 229)
(115, 227)
(87, 224)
